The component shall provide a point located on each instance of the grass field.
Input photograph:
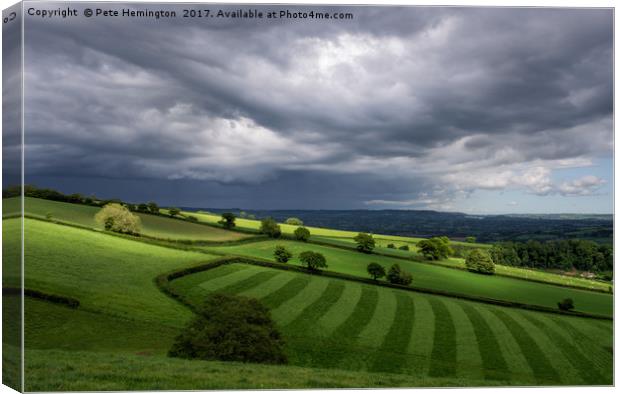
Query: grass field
(336, 235)
(347, 325)
(437, 277)
(154, 226)
(359, 335)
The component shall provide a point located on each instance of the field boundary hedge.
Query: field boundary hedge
(39, 295)
(162, 282)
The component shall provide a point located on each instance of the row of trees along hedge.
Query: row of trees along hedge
(562, 254)
(395, 274)
(311, 260)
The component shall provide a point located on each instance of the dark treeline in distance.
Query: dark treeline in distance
(577, 254)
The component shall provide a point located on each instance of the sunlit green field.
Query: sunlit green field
(154, 226)
(339, 333)
(347, 325)
(436, 277)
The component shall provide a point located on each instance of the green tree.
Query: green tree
(153, 207)
(375, 270)
(566, 304)
(115, 217)
(404, 247)
(302, 234)
(480, 261)
(294, 221)
(470, 240)
(270, 227)
(435, 248)
(231, 328)
(174, 211)
(143, 208)
(391, 246)
(365, 242)
(228, 220)
(396, 275)
(313, 260)
(282, 254)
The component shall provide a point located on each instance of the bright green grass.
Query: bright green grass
(535, 275)
(437, 277)
(106, 273)
(336, 235)
(154, 226)
(378, 329)
(55, 370)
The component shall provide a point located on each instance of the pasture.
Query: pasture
(339, 333)
(333, 323)
(154, 226)
(436, 277)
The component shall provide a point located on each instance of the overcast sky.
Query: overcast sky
(460, 109)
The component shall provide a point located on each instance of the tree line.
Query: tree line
(566, 255)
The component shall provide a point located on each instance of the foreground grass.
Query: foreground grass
(105, 273)
(348, 325)
(154, 226)
(437, 277)
(84, 371)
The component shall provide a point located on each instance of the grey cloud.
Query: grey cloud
(393, 83)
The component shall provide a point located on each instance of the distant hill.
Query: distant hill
(486, 228)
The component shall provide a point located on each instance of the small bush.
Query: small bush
(192, 219)
(231, 328)
(404, 247)
(397, 276)
(174, 211)
(566, 304)
(282, 254)
(313, 260)
(391, 246)
(294, 221)
(302, 234)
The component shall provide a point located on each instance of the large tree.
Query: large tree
(270, 227)
(313, 260)
(436, 248)
(228, 220)
(375, 270)
(115, 217)
(479, 261)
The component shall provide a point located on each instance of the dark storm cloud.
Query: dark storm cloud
(398, 96)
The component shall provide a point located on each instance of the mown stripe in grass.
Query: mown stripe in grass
(542, 368)
(269, 286)
(495, 366)
(345, 335)
(392, 356)
(577, 359)
(286, 292)
(313, 312)
(249, 283)
(342, 309)
(600, 358)
(443, 356)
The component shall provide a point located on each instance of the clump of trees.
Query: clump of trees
(314, 261)
(294, 221)
(282, 254)
(117, 218)
(566, 255)
(398, 276)
(174, 211)
(375, 270)
(302, 234)
(566, 304)
(403, 247)
(231, 328)
(153, 207)
(391, 246)
(480, 261)
(270, 227)
(228, 220)
(365, 242)
(436, 248)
